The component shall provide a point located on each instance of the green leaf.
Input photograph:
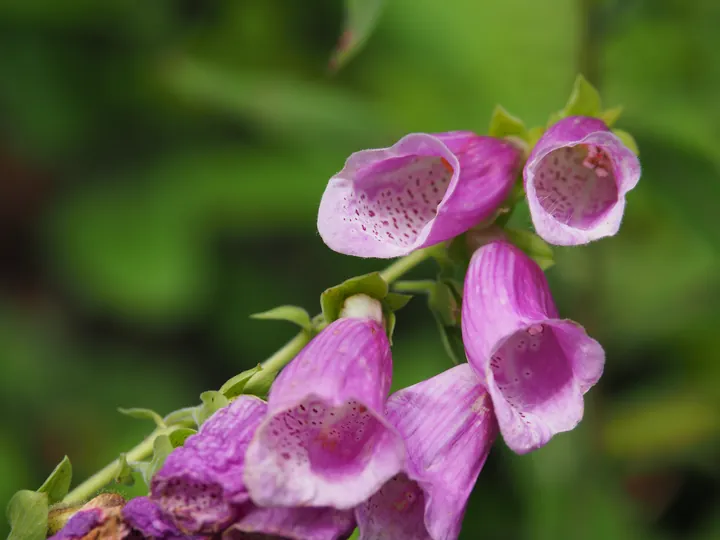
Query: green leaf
(361, 16)
(584, 100)
(178, 436)
(610, 116)
(503, 124)
(212, 401)
(236, 385)
(333, 298)
(628, 140)
(184, 416)
(124, 474)
(27, 513)
(396, 301)
(390, 322)
(293, 314)
(535, 247)
(58, 483)
(143, 414)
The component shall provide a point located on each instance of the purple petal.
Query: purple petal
(535, 366)
(80, 524)
(294, 524)
(421, 191)
(576, 180)
(449, 427)
(145, 516)
(200, 485)
(325, 441)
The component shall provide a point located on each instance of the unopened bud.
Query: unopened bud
(362, 306)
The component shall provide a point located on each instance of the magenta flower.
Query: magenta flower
(200, 486)
(293, 524)
(80, 524)
(449, 427)
(576, 180)
(535, 366)
(421, 191)
(325, 441)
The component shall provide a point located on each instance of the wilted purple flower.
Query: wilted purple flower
(535, 366)
(200, 486)
(325, 441)
(576, 180)
(147, 518)
(421, 191)
(293, 524)
(449, 427)
(80, 524)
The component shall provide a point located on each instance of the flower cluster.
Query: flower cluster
(331, 450)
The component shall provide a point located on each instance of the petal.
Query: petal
(145, 516)
(200, 485)
(423, 190)
(294, 524)
(535, 366)
(449, 427)
(80, 524)
(325, 441)
(576, 180)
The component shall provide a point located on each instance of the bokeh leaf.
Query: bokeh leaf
(628, 140)
(360, 19)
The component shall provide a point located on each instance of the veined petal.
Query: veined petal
(576, 180)
(200, 486)
(535, 366)
(325, 441)
(449, 427)
(423, 190)
(293, 524)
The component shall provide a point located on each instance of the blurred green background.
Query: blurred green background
(161, 164)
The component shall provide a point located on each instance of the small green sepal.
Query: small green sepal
(212, 400)
(236, 385)
(504, 124)
(143, 414)
(628, 140)
(293, 314)
(57, 484)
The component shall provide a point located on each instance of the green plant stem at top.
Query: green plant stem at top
(272, 365)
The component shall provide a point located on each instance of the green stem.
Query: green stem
(106, 475)
(270, 367)
(400, 267)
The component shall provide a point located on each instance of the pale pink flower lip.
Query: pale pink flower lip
(576, 179)
(423, 190)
